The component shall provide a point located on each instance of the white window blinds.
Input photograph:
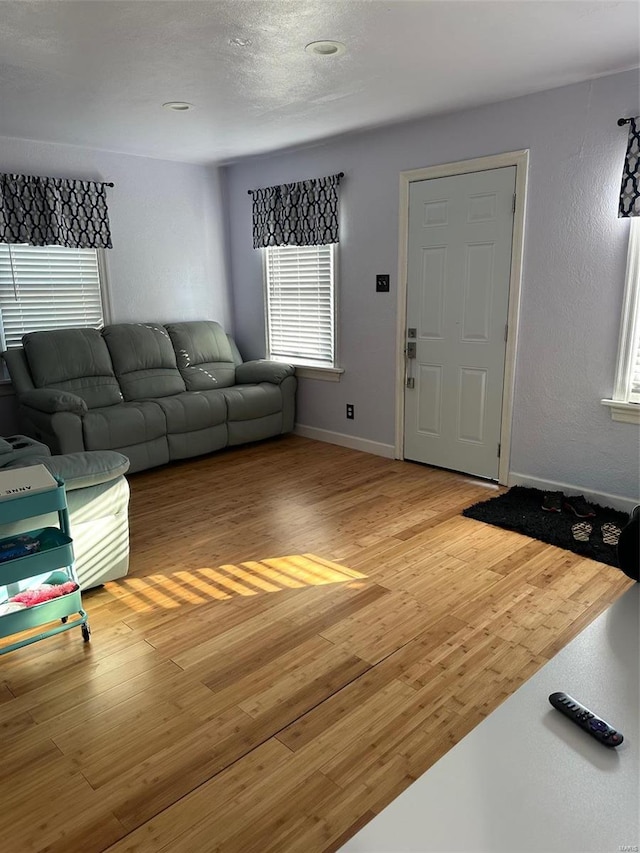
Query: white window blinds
(628, 376)
(47, 287)
(634, 392)
(300, 296)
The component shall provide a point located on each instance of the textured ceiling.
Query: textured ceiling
(96, 73)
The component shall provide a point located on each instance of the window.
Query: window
(47, 287)
(300, 305)
(625, 403)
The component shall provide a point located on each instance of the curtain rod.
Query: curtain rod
(251, 192)
(623, 121)
(104, 183)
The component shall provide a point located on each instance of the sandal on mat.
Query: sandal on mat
(552, 502)
(581, 531)
(610, 533)
(578, 506)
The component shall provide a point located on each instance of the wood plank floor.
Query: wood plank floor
(305, 630)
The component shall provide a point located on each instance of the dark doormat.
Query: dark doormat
(519, 509)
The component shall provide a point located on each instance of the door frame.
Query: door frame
(519, 159)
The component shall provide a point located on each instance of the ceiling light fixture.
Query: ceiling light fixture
(238, 42)
(178, 106)
(325, 48)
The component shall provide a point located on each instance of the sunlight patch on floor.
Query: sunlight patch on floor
(168, 591)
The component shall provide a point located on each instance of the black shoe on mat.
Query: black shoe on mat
(552, 502)
(579, 507)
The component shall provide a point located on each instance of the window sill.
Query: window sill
(327, 374)
(628, 413)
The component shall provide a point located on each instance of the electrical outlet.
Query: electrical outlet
(382, 283)
(350, 411)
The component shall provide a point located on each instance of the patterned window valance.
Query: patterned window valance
(53, 212)
(300, 214)
(630, 190)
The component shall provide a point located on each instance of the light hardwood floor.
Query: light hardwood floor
(305, 630)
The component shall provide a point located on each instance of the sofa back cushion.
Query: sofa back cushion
(203, 354)
(75, 360)
(144, 361)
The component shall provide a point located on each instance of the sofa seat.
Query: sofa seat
(126, 423)
(137, 430)
(153, 393)
(254, 411)
(252, 401)
(193, 410)
(196, 422)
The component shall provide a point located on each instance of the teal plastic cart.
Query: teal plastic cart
(55, 553)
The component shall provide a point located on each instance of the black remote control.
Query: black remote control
(586, 719)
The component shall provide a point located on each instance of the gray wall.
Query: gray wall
(575, 257)
(167, 261)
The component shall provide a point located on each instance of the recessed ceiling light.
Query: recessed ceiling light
(178, 106)
(326, 48)
(237, 42)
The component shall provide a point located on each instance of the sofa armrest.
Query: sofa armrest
(51, 400)
(263, 371)
(81, 470)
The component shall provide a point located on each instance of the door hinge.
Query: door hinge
(499, 446)
(514, 203)
(506, 332)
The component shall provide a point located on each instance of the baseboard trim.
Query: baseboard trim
(351, 441)
(602, 498)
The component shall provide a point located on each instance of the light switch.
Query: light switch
(382, 283)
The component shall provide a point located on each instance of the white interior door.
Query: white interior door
(458, 272)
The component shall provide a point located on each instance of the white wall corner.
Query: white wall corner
(602, 498)
(354, 442)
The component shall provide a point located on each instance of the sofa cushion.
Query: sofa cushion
(115, 427)
(75, 360)
(80, 470)
(253, 401)
(143, 360)
(193, 410)
(256, 429)
(203, 354)
(184, 445)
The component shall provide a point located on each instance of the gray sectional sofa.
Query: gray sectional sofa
(153, 393)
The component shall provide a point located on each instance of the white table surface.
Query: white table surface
(528, 779)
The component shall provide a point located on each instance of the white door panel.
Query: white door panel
(459, 261)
